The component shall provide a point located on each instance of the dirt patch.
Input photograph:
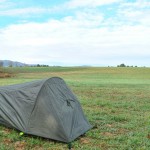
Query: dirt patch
(5, 75)
(7, 141)
(37, 148)
(122, 131)
(104, 146)
(108, 134)
(109, 125)
(20, 145)
(85, 140)
(148, 136)
(7, 131)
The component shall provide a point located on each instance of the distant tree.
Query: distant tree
(38, 65)
(121, 65)
(45, 66)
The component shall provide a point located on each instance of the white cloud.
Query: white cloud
(89, 3)
(85, 19)
(4, 4)
(2, 1)
(72, 41)
(133, 13)
(137, 4)
(86, 37)
(10, 8)
(24, 11)
(136, 16)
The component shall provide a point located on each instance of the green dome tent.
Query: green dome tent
(45, 108)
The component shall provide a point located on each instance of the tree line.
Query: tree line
(123, 65)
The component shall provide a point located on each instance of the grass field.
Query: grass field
(116, 101)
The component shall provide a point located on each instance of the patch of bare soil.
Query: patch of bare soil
(108, 134)
(109, 125)
(148, 136)
(37, 148)
(7, 131)
(122, 131)
(7, 141)
(5, 75)
(85, 140)
(20, 145)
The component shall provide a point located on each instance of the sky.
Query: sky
(75, 32)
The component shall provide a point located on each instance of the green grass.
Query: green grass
(115, 100)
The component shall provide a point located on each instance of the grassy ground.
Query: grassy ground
(115, 100)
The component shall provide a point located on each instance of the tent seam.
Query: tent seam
(61, 124)
(53, 106)
(35, 103)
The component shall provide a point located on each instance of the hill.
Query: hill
(9, 63)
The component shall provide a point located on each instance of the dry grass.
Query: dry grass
(5, 75)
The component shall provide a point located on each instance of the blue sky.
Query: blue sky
(76, 32)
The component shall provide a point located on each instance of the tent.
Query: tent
(45, 108)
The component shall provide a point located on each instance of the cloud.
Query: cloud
(81, 37)
(5, 4)
(22, 11)
(2, 1)
(74, 41)
(89, 3)
(137, 4)
(10, 8)
(137, 12)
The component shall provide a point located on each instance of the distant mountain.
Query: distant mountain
(9, 63)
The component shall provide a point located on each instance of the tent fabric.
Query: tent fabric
(46, 108)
